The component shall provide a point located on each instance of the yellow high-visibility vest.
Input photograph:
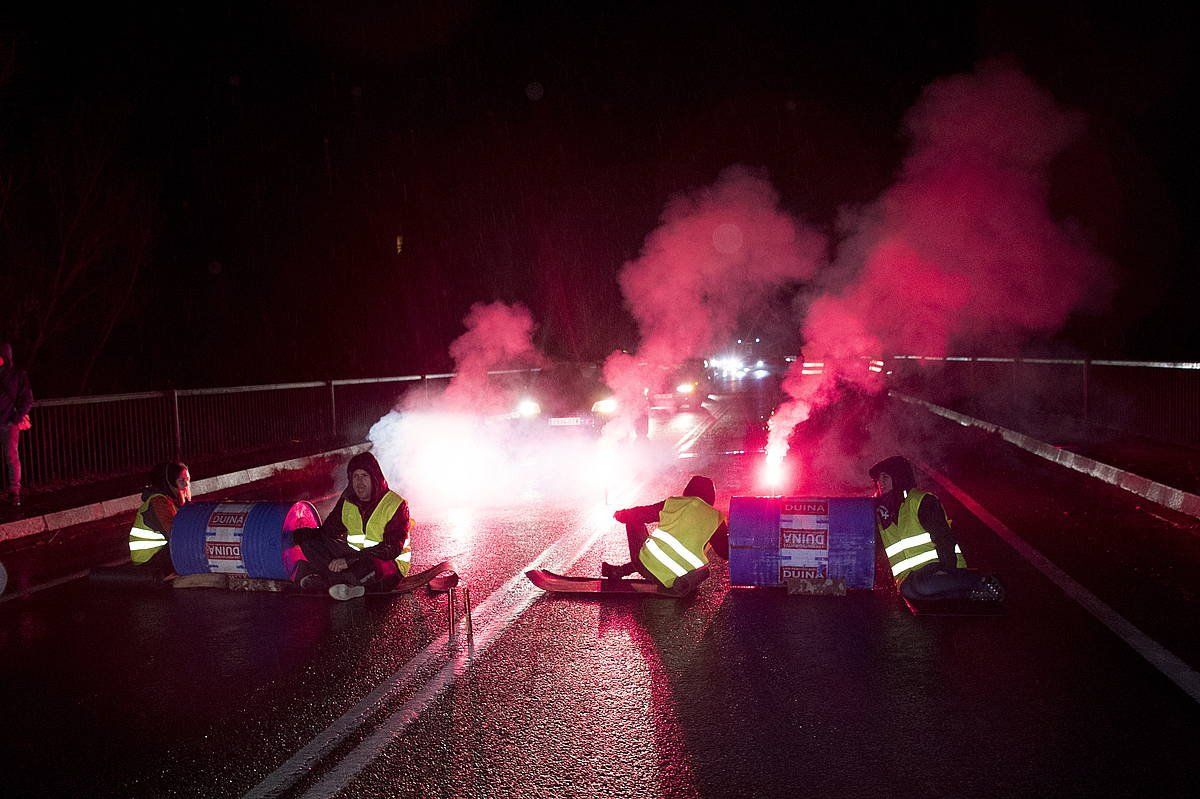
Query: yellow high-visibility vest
(906, 542)
(144, 542)
(360, 536)
(677, 547)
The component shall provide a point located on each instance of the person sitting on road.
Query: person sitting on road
(364, 540)
(674, 555)
(169, 490)
(925, 559)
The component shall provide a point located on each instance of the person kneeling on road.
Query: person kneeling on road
(364, 540)
(169, 490)
(674, 555)
(925, 559)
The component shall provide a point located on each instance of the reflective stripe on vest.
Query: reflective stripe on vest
(677, 547)
(360, 538)
(144, 543)
(907, 543)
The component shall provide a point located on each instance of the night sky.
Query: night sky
(214, 194)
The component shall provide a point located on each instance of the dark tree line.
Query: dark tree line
(77, 222)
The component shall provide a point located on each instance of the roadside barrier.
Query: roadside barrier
(1164, 495)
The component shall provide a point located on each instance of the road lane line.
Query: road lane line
(1155, 653)
(311, 754)
(504, 614)
(302, 762)
(399, 720)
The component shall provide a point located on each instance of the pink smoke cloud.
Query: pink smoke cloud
(718, 253)
(963, 251)
(498, 336)
(461, 447)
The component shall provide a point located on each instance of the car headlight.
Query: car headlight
(528, 408)
(685, 388)
(606, 406)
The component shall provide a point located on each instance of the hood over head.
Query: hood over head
(701, 488)
(366, 461)
(162, 480)
(899, 469)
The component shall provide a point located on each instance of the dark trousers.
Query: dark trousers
(160, 563)
(931, 581)
(636, 535)
(10, 437)
(320, 549)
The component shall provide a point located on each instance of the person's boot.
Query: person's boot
(342, 592)
(611, 571)
(688, 583)
(308, 579)
(990, 589)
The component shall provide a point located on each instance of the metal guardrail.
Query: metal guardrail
(1155, 399)
(86, 439)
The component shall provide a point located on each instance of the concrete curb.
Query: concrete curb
(1159, 493)
(127, 504)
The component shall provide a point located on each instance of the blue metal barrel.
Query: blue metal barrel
(773, 539)
(250, 538)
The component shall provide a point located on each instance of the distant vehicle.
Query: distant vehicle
(566, 396)
(684, 389)
(734, 368)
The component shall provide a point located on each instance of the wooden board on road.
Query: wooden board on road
(952, 607)
(596, 586)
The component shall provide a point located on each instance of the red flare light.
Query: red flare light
(774, 473)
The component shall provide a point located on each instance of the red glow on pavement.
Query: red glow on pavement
(461, 524)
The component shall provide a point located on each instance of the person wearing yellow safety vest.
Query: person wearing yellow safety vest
(364, 541)
(924, 558)
(169, 490)
(674, 555)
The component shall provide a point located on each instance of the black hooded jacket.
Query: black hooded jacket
(931, 514)
(395, 532)
(16, 397)
(159, 513)
(699, 487)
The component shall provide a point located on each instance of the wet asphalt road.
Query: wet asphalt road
(734, 693)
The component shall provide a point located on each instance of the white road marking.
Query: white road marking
(496, 614)
(1155, 653)
(503, 607)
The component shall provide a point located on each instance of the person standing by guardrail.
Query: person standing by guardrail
(169, 490)
(16, 398)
